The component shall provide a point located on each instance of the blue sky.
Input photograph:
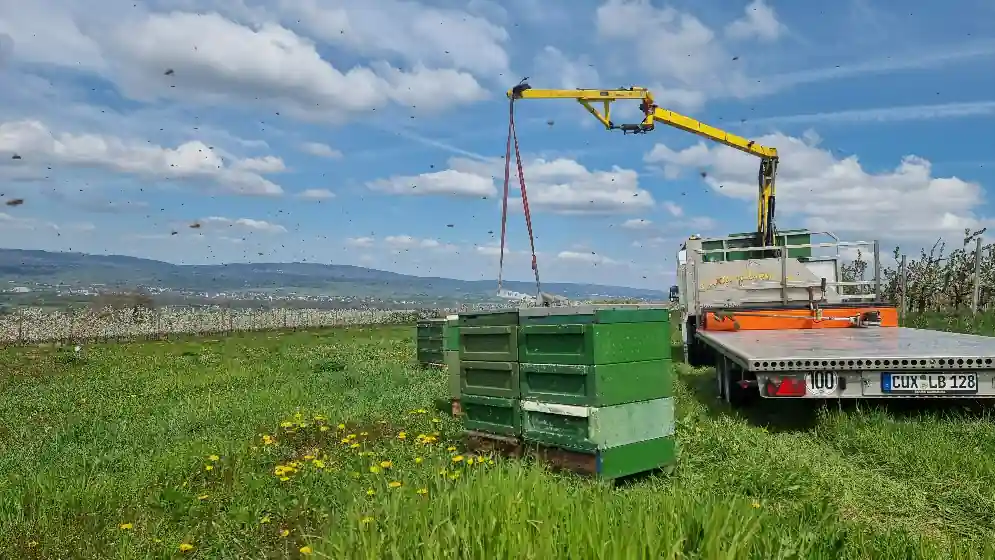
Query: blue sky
(371, 132)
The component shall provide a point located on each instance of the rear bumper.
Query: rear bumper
(868, 385)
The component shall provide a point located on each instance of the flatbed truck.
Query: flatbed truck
(776, 322)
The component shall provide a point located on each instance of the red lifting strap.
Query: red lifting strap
(513, 138)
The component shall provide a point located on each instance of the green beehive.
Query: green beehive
(594, 343)
(620, 440)
(498, 343)
(747, 240)
(490, 318)
(489, 379)
(597, 385)
(430, 341)
(492, 415)
(451, 333)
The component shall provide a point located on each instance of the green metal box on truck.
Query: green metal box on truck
(497, 343)
(492, 415)
(489, 379)
(620, 440)
(747, 240)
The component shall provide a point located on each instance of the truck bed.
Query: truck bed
(843, 349)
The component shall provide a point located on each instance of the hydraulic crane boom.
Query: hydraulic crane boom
(654, 114)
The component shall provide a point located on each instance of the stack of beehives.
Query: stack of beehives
(589, 387)
(430, 341)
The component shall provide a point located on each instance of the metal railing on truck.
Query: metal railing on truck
(783, 251)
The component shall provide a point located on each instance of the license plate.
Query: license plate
(929, 383)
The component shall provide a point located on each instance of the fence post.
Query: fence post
(976, 299)
(903, 283)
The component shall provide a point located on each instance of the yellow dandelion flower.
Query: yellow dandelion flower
(364, 434)
(208, 467)
(394, 484)
(284, 478)
(436, 420)
(286, 424)
(374, 469)
(214, 458)
(203, 496)
(454, 476)
(157, 540)
(298, 416)
(126, 526)
(186, 547)
(308, 457)
(443, 472)
(306, 550)
(319, 418)
(450, 448)
(422, 491)
(469, 460)
(756, 504)
(303, 425)
(351, 436)
(370, 492)
(386, 464)
(418, 460)
(285, 533)
(366, 520)
(265, 519)
(354, 446)
(457, 458)
(323, 428)
(341, 426)
(402, 435)
(490, 461)
(318, 463)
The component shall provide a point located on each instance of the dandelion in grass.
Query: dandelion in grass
(126, 526)
(419, 460)
(366, 520)
(756, 504)
(394, 484)
(454, 476)
(318, 463)
(323, 429)
(319, 418)
(371, 492)
(208, 467)
(402, 435)
(341, 426)
(354, 446)
(286, 425)
(285, 533)
(364, 434)
(458, 458)
(422, 491)
(386, 464)
(203, 497)
(306, 550)
(374, 469)
(213, 458)
(436, 420)
(265, 519)
(186, 547)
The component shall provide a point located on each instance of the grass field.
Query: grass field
(326, 444)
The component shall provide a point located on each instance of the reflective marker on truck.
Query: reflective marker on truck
(924, 383)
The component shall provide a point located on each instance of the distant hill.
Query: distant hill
(80, 269)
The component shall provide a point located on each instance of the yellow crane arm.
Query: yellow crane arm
(653, 114)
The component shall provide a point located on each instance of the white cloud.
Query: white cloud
(637, 223)
(586, 257)
(407, 242)
(360, 241)
(321, 150)
(674, 209)
(215, 60)
(560, 185)
(758, 22)
(316, 194)
(193, 160)
(566, 73)
(828, 193)
(9, 221)
(889, 114)
(247, 224)
(689, 61)
(406, 30)
(449, 182)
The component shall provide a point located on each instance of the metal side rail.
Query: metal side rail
(859, 362)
